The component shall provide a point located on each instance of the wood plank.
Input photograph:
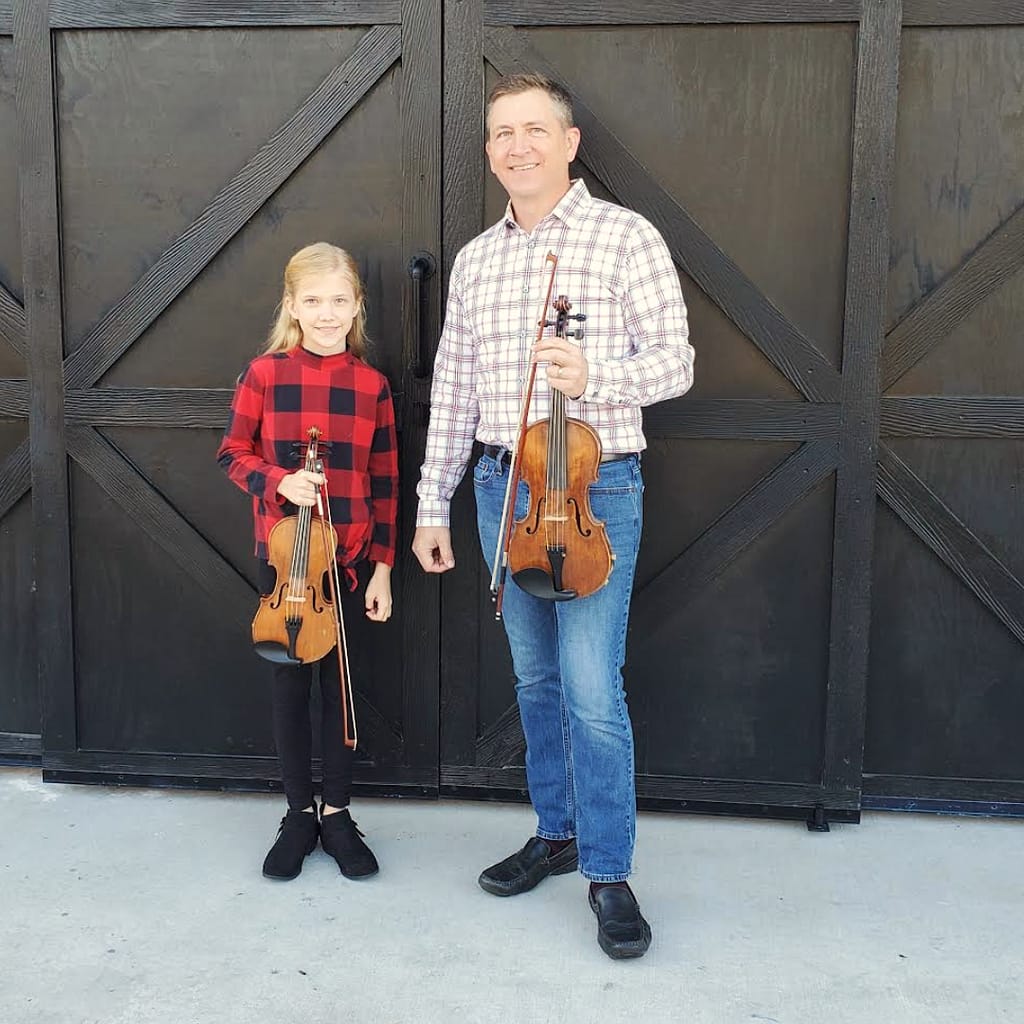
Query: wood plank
(667, 12)
(189, 408)
(15, 477)
(996, 416)
(998, 258)
(164, 525)
(458, 593)
(12, 321)
(957, 12)
(6, 17)
(662, 599)
(421, 232)
(874, 146)
(14, 395)
(212, 771)
(988, 792)
(20, 745)
(938, 526)
(692, 249)
(754, 418)
(503, 744)
(44, 339)
(767, 799)
(92, 14)
(233, 206)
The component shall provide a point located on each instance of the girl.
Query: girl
(313, 373)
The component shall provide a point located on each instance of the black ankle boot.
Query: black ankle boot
(340, 837)
(296, 839)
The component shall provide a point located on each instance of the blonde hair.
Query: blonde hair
(318, 258)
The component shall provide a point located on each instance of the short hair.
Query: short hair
(512, 85)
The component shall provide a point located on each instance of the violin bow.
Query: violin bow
(348, 705)
(505, 526)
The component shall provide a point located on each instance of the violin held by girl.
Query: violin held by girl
(311, 438)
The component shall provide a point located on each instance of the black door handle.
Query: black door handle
(422, 268)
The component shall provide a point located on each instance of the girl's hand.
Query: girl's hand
(300, 488)
(378, 594)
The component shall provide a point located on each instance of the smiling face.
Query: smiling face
(325, 306)
(530, 147)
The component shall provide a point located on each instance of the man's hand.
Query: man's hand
(300, 488)
(567, 370)
(432, 545)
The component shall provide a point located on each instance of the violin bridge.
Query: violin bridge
(294, 600)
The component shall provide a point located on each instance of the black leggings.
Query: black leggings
(293, 732)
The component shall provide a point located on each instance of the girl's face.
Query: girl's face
(325, 306)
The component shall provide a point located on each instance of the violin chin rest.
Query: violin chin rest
(274, 652)
(538, 583)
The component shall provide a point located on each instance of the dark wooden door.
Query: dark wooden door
(19, 702)
(192, 153)
(762, 152)
(946, 685)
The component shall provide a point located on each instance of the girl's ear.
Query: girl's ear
(289, 306)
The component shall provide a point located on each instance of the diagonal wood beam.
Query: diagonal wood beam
(12, 321)
(736, 530)
(503, 744)
(938, 526)
(994, 261)
(14, 399)
(693, 250)
(163, 524)
(15, 477)
(233, 206)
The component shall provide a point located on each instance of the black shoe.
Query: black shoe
(340, 837)
(622, 931)
(296, 839)
(530, 865)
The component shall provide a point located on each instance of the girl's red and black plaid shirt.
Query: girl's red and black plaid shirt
(278, 398)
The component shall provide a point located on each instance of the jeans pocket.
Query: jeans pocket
(484, 469)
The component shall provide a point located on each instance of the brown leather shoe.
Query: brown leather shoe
(622, 931)
(526, 868)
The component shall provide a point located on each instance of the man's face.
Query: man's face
(529, 147)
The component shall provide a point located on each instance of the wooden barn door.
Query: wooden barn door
(946, 686)
(19, 706)
(760, 147)
(180, 154)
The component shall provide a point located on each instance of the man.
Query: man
(616, 270)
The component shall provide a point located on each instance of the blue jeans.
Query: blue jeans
(568, 659)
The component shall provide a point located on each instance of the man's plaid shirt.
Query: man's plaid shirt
(616, 269)
(278, 398)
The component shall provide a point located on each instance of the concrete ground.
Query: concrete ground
(122, 906)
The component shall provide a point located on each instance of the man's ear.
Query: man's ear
(573, 139)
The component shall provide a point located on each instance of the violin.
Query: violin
(558, 551)
(300, 620)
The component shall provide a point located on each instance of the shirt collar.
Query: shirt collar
(568, 209)
(317, 362)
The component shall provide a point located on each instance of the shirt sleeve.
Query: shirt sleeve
(383, 470)
(454, 411)
(239, 454)
(659, 363)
